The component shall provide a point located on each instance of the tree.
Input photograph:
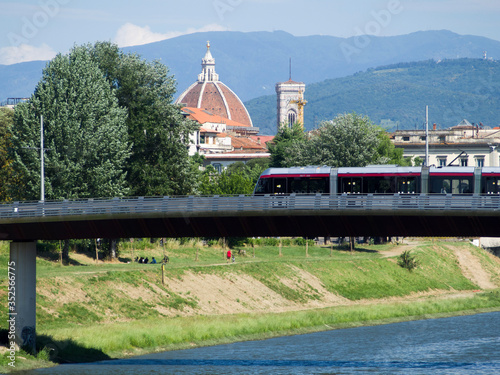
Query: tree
(160, 164)
(84, 132)
(388, 153)
(349, 140)
(285, 140)
(6, 176)
(214, 183)
(407, 260)
(250, 170)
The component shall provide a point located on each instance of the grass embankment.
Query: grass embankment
(89, 312)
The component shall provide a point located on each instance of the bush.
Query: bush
(271, 241)
(300, 241)
(407, 260)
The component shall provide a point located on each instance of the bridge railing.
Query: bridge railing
(204, 205)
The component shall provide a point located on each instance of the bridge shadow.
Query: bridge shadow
(54, 257)
(62, 351)
(68, 351)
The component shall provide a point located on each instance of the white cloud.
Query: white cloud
(25, 52)
(133, 35)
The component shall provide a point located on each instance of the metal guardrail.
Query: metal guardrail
(226, 205)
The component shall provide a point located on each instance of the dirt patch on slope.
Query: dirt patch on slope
(229, 294)
(471, 267)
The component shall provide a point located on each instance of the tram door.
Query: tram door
(351, 185)
(279, 187)
(407, 185)
(492, 185)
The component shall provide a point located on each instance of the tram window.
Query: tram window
(457, 185)
(298, 185)
(318, 185)
(379, 185)
(263, 186)
(309, 185)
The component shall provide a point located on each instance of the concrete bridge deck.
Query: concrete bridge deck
(238, 216)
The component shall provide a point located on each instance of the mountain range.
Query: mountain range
(396, 96)
(252, 63)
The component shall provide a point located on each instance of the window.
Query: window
(464, 162)
(406, 139)
(480, 161)
(442, 138)
(292, 117)
(217, 167)
(453, 185)
(442, 161)
(422, 138)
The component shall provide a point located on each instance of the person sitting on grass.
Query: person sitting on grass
(153, 261)
(146, 261)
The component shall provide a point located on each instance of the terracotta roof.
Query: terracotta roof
(263, 138)
(246, 144)
(211, 94)
(217, 98)
(203, 116)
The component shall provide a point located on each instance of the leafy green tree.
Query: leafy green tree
(84, 132)
(250, 170)
(6, 121)
(349, 140)
(285, 140)
(214, 183)
(388, 153)
(159, 164)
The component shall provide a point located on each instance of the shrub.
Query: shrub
(300, 241)
(407, 260)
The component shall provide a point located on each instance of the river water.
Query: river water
(459, 345)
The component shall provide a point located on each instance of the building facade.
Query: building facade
(461, 145)
(222, 141)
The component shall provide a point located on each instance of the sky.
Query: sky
(39, 29)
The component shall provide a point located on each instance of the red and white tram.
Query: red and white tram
(379, 179)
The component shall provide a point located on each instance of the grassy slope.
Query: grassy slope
(91, 312)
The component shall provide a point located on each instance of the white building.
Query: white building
(461, 145)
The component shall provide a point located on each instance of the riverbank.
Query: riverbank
(91, 312)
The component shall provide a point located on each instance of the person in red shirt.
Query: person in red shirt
(228, 256)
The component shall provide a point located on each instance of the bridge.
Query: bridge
(225, 216)
(248, 216)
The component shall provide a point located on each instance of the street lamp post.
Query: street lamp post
(42, 163)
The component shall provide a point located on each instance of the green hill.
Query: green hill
(396, 95)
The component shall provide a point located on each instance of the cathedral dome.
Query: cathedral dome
(211, 94)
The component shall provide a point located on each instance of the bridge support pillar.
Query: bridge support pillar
(22, 280)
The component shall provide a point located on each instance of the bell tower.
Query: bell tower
(290, 95)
